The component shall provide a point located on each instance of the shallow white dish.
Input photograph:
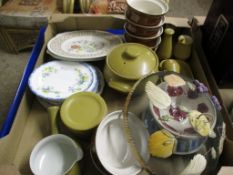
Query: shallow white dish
(57, 80)
(112, 147)
(82, 45)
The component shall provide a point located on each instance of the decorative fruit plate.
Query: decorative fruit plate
(175, 118)
(181, 118)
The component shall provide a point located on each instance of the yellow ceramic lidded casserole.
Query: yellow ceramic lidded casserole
(127, 63)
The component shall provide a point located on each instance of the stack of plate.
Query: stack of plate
(54, 81)
(82, 45)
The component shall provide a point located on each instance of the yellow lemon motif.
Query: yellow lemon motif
(200, 123)
(161, 144)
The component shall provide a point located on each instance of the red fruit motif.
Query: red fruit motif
(174, 91)
(177, 113)
(202, 107)
(192, 94)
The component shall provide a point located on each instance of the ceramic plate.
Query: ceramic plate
(112, 148)
(95, 82)
(179, 125)
(56, 80)
(83, 45)
(101, 84)
(83, 111)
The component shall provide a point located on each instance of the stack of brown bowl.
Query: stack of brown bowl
(144, 21)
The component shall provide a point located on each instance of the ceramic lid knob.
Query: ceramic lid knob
(182, 39)
(185, 39)
(130, 53)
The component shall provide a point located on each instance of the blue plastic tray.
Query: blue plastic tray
(24, 81)
(23, 84)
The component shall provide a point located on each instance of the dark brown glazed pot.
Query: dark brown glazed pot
(148, 41)
(146, 12)
(143, 31)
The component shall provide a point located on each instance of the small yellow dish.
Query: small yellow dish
(83, 111)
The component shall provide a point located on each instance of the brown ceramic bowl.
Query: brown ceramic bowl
(146, 12)
(158, 41)
(148, 41)
(143, 31)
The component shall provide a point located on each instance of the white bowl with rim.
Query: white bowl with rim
(112, 148)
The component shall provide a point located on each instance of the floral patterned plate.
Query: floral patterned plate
(56, 80)
(83, 45)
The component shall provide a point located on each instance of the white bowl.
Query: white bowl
(55, 154)
(112, 148)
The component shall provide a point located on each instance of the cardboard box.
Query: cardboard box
(224, 95)
(107, 7)
(226, 170)
(31, 121)
(217, 41)
(27, 14)
(20, 21)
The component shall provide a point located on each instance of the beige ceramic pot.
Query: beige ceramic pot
(127, 63)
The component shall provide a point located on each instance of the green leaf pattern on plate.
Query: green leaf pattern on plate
(83, 78)
(50, 90)
(166, 117)
(47, 71)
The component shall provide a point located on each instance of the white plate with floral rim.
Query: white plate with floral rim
(98, 85)
(175, 117)
(57, 80)
(82, 45)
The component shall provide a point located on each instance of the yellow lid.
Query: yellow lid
(132, 60)
(83, 111)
